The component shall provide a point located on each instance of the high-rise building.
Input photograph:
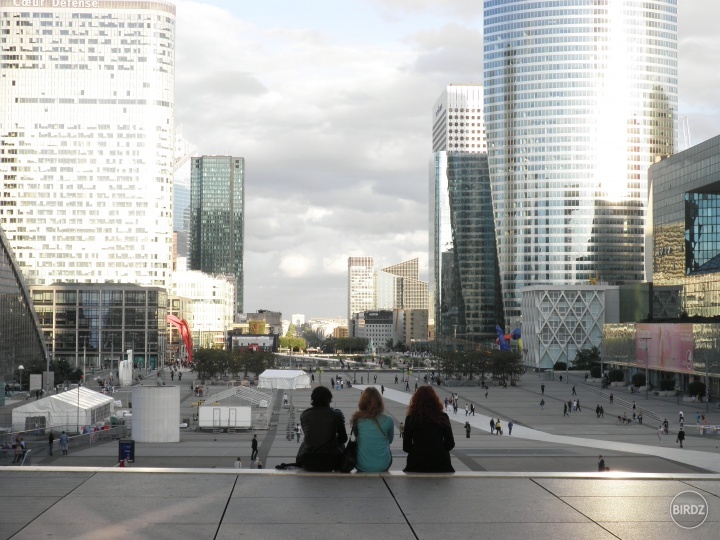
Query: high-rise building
(464, 280)
(411, 293)
(86, 140)
(360, 285)
(217, 218)
(580, 99)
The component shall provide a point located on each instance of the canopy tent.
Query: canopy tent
(284, 379)
(65, 411)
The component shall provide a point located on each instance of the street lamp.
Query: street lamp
(20, 369)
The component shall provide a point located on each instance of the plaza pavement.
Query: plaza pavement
(539, 482)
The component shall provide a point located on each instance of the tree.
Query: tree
(587, 358)
(291, 331)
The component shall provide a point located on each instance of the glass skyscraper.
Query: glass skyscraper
(86, 140)
(580, 99)
(464, 280)
(217, 208)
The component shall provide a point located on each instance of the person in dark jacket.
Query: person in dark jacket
(325, 434)
(428, 437)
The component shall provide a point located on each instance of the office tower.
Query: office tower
(184, 150)
(580, 99)
(86, 140)
(217, 201)
(410, 293)
(464, 280)
(360, 286)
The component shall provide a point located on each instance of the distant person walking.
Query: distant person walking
(601, 464)
(382, 389)
(51, 441)
(611, 398)
(254, 447)
(542, 404)
(660, 431)
(498, 427)
(565, 413)
(401, 429)
(492, 425)
(472, 409)
(510, 426)
(298, 432)
(681, 437)
(467, 430)
(542, 389)
(574, 393)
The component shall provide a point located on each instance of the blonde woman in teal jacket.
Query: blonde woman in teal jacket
(374, 431)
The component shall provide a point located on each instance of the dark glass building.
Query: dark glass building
(685, 198)
(96, 324)
(217, 206)
(468, 303)
(21, 340)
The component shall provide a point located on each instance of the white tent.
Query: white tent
(64, 411)
(284, 379)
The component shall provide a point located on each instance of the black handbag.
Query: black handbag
(348, 460)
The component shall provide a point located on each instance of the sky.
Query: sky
(330, 103)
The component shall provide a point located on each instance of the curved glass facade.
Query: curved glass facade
(21, 341)
(580, 99)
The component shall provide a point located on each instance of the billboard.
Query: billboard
(668, 347)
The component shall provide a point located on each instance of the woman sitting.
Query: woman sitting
(427, 437)
(325, 434)
(375, 432)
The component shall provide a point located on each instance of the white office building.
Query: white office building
(86, 139)
(580, 99)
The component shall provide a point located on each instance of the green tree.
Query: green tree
(587, 358)
(291, 331)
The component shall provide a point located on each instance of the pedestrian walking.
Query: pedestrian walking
(467, 430)
(680, 437)
(492, 425)
(640, 417)
(396, 379)
(486, 393)
(577, 405)
(179, 376)
(382, 389)
(375, 378)
(498, 427)
(510, 426)
(254, 448)
(611, 398)
(574, 393)
(51, 440)
(401, 429)
(682, 417)
(298, 432)
(660, 431)
(634, 406)
(542, 404)
(601, 464)
(542, 389)
(565, 413)
(467, 410)
(597, 411)
(602, 411)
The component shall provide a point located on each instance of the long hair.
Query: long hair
(370, 406)
(425, 405)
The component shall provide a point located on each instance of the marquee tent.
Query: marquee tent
(64, 411)
(284, 379)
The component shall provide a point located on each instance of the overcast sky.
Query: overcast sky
(329, 102)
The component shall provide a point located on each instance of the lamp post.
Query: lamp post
(647, 376)
(20, 369)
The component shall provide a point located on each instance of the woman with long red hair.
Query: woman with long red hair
(428, 436)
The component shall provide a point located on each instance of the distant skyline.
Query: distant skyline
(330, 104)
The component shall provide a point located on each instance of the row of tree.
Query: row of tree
(216, 363)
(491, 364)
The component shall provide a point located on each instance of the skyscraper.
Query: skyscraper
(217, 207)
(86, 140)
(580, 98)
(360, 286)
(464, 281)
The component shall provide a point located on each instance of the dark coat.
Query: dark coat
(428, 445)
(325, 436)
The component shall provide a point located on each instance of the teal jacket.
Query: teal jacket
(374, 444)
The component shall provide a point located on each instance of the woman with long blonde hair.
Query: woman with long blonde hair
(374, 431)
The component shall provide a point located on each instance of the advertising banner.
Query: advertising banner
(665, 346)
